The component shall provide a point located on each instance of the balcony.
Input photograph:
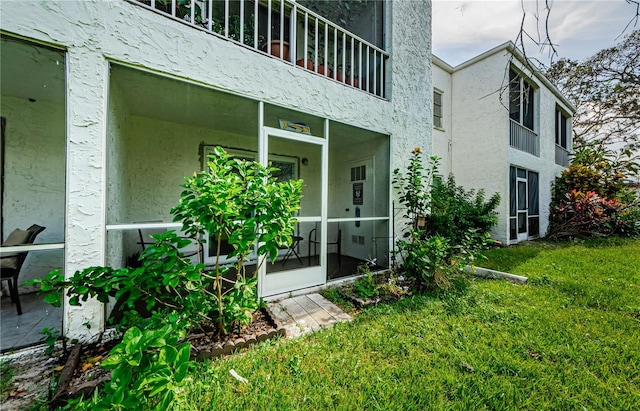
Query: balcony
(285, 30)
(523, 139)
(562, 156)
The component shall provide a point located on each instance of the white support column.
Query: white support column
(87, 82)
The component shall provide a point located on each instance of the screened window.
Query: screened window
(437, 109)
(562, 129)
(521, 100)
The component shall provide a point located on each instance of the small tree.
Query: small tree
(604, 88)
(233, 198)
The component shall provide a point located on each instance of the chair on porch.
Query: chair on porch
(313, 239)
(146, 240)
(10, 265)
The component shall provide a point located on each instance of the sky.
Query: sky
(463, 29)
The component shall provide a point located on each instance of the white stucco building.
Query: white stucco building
(107, 105)
(501, 127)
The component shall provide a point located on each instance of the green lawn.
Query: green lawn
(568, 340)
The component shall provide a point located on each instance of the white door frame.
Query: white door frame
(525, 235)
(295, 279)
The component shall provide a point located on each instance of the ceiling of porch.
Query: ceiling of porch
(32, 71)
(158, 97)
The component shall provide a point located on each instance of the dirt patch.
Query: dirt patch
(27, 378)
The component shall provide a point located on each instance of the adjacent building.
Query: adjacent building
(501, 126)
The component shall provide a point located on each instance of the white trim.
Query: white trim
(137, 226)
(263, 155)
(298, 278)
(324, 212)
(511, 48)
(309, 219)
(290, 135)
(12, 249)
(350, 219)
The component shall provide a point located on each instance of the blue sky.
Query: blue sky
(462, 29)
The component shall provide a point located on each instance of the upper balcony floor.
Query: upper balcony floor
(341, 40)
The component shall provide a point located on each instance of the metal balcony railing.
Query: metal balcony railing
(286, 31)
(521, 138)
(562, 156)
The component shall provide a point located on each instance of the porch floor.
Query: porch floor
(20, 331)
(307, 313)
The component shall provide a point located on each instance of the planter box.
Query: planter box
(218, 350)
(365, 303)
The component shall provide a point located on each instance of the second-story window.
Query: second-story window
(521, 100)
(562, 129)
(437, 109)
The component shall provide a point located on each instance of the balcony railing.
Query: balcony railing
(523, 139)
(286, 31)
(562, 156)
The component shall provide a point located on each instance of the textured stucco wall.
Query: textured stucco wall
(34, 191)
(409, 30)
(480, 132)
(117, 119)
(442, 144)
(94, 32)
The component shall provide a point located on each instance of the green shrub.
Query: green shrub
(461, 216)
(590, 198)
(149, 369)
(366, 286)
(447, 226)
(234, 198)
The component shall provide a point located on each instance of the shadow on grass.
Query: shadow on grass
(497, 259)
(609, 242)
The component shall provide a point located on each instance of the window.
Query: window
(562, 128)
(358, 173)
(521, 100)
(437, 109)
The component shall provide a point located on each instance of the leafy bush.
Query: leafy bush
(460, 216)
(590, 198)
(149, 368)
(365, 287)
(387, 286)
(447, 226)
(234, 198)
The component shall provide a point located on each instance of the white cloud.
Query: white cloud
(463, 29)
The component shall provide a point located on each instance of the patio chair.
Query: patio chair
(314, 240)
(146, 240)
(11, 264)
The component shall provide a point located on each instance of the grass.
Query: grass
(568, 340)
(6, 378)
